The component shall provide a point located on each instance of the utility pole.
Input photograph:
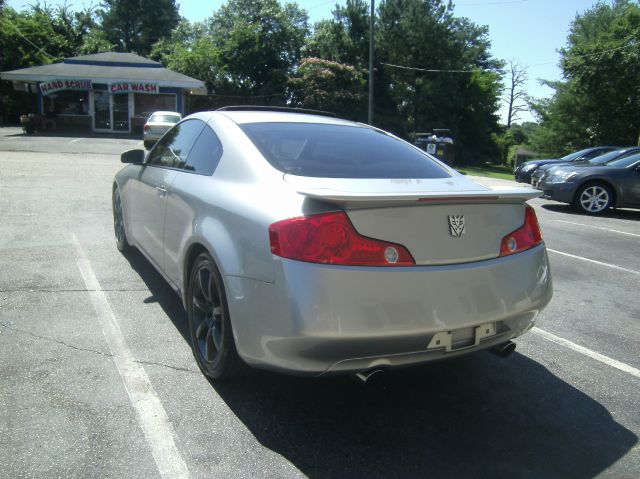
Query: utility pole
(371, 27)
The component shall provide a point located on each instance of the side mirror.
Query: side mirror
(135, 157)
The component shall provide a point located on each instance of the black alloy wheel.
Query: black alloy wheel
(211, 334)
(118, 223)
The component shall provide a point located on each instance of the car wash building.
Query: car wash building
(105, 92)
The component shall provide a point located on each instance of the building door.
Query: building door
(101, 110)
(110, 112)
(120, 112)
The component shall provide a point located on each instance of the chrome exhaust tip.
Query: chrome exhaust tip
(503, 350)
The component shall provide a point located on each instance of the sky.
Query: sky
(528, 31)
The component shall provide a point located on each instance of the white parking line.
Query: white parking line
(587, 352)
(597, 228)
(151, 415)
(581, 258)
(77, 139)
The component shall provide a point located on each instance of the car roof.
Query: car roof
(242, 117)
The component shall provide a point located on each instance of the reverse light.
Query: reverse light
(330, 238)
(525, 237)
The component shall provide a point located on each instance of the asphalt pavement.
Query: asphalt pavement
(97, 378)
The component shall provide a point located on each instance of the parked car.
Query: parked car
(312, 245)
(594, 188)
(542, 170)
(523, 172)
(157, 125)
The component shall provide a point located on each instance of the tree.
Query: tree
(135, 25)
(599, 100)
(345, 37)
(37, 36)
(190, 50)
(326, 85)
(258, 45)
(420, 34)
(516, 95)
(461, 95)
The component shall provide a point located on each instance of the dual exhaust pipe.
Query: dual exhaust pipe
(371, 376)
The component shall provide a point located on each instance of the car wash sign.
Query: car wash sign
(53, 86)
(134, 87)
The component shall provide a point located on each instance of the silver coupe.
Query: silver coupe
(311, 245)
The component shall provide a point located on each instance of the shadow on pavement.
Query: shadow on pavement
(623, 214)
(161, 292)
(477, 416)
(474, 417)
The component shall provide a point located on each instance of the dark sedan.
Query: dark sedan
(594, 188)
(524, 171)
(543, 170)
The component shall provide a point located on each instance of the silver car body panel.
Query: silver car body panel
(310, 318)
(316, 319)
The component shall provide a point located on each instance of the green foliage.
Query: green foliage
(37, 36)
(423, 34)
(331, 86)
(258, 44)
(599, 102)
(135, 25)
(190, 50)
(427, 34)
(344, 38)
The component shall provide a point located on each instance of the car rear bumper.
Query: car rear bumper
(321, 319)
(153, 135)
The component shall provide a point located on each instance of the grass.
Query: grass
(491, 171)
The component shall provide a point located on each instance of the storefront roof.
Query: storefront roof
(105, 68)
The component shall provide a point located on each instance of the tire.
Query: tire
(148, 144)
(593, 198)
(209, 324)
(119, 230)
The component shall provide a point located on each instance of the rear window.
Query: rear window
(164, 119)
(335, 151)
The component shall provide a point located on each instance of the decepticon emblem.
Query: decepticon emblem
(456, 225)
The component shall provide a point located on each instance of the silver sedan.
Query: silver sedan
(311, 245)
(157, 125)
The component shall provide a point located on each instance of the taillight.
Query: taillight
(330, 238)
(525, 237)
(146, 127)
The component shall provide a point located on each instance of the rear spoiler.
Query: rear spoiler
(500, 194)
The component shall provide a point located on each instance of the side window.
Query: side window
(205, 154)
(173, 148)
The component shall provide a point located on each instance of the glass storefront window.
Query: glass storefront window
(67, 102)
(145, 105)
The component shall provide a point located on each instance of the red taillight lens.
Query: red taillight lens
(330, 238)
(146, 127)
(525, 237)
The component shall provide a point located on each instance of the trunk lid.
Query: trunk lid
(440, 221)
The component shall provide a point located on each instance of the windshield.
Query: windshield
(624, 162)
(338, 151)
(573, 156)
(164, 119)
(612, 155)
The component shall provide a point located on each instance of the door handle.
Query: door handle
(161, 190)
